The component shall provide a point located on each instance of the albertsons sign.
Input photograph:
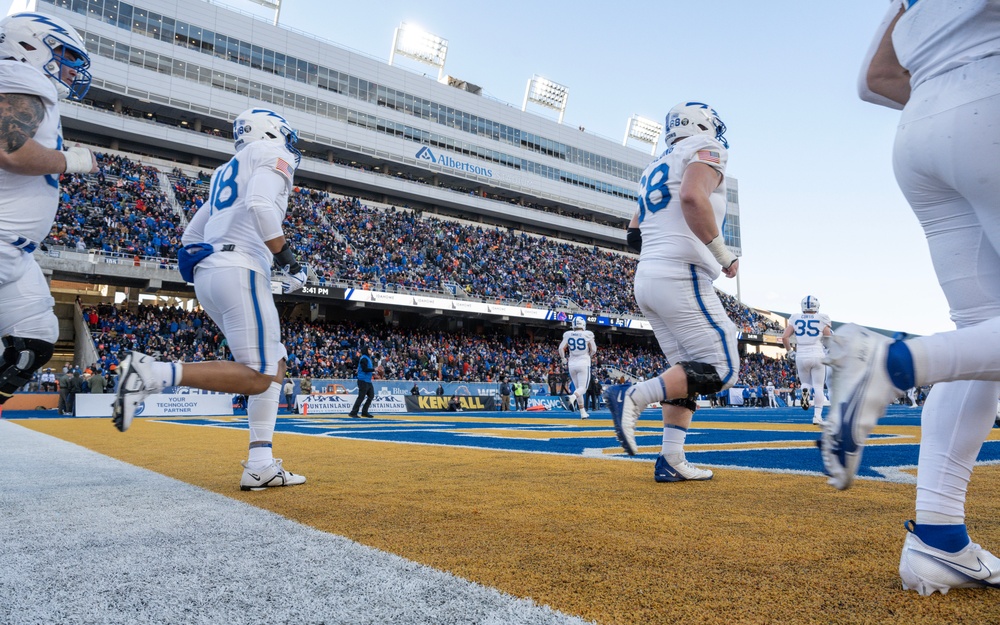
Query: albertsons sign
(444, 160)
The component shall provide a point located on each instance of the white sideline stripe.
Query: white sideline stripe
(85, 538)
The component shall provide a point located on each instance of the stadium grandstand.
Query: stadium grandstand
(423, 208)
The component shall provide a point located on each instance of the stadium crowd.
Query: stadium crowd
(330, 350)
(120, 210)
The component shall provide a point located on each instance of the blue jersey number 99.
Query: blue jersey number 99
(577, 344)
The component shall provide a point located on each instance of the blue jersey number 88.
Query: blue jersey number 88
(654, 194)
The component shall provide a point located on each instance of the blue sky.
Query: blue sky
(820, 209)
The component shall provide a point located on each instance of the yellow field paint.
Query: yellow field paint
(589, 537)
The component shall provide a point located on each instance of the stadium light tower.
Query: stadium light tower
(416, 43)
(546, 93)
(271, 4)
(643, 129)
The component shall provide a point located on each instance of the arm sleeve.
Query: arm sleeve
(864, 92)
(366, 365)
(265, 187)
(562, 346)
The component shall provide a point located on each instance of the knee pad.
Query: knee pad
(21, 359)
(686, 402)
(702, 378)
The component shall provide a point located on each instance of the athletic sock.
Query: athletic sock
(949, 538)
(650, 391)
(166, 373)
(673, 440)
(899, 363)
(262, 413)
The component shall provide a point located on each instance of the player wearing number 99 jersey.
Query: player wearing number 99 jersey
(809, 327)
(682, 206)
(576, 348)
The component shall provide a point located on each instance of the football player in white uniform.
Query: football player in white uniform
(938, 60)
(809, 328)
(576, 350)
(230, 245)
(677, 231)
(42, 60)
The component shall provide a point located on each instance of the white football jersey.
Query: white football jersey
(808, 332)
(28, 203)
(579, 344)
(259, 174)
(934, 37)
(665, 234)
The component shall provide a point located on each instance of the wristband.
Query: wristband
(285, 260)
(78, 161)
(722, 254)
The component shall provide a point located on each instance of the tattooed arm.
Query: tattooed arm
(20, 116)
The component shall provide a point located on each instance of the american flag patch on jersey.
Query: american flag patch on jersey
(709, 156)
(283, 166)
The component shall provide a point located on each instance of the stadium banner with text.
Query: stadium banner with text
(159, 405)
(343, 404)
(443, 304)
(434, 403)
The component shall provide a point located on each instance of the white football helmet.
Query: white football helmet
(810, 304)
(694, 118)
(579, 323)
(47, 44)
(260, 124)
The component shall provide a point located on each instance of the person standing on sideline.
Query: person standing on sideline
(772, 401)
(809, 327)
(440, 390)
(97, 382)
(677, 232)
(594, 392)
(65, 381)
(288, 390)
(42, 60)
(576, 350)
(366, 390)
(229, 247)
(939, 61)
(516, 387)
(504, 395)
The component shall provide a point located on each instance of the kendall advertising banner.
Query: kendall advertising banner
(435, 403)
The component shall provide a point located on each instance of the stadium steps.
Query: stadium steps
(166, 186)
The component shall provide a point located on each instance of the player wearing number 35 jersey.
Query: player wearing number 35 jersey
(575, 350)
(678, 233)
(809, 327)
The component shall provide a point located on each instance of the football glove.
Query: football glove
(790, 357)
(292, 282)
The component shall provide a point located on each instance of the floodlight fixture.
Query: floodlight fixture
(546, 93)
(643, 129)
(415, 43)
(271, 4)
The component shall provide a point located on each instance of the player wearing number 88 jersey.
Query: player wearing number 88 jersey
(682, 207)
(576, 349)
(809, 327)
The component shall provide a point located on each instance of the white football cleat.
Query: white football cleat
(270, 476)
(135, 384)
(584, 414)
(817, 420)
(676, 468)
(926, 569)
(860, 391)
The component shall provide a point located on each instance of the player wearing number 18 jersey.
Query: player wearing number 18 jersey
(230, 245)
(677, 230)
(576, 349)
(809, 327)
